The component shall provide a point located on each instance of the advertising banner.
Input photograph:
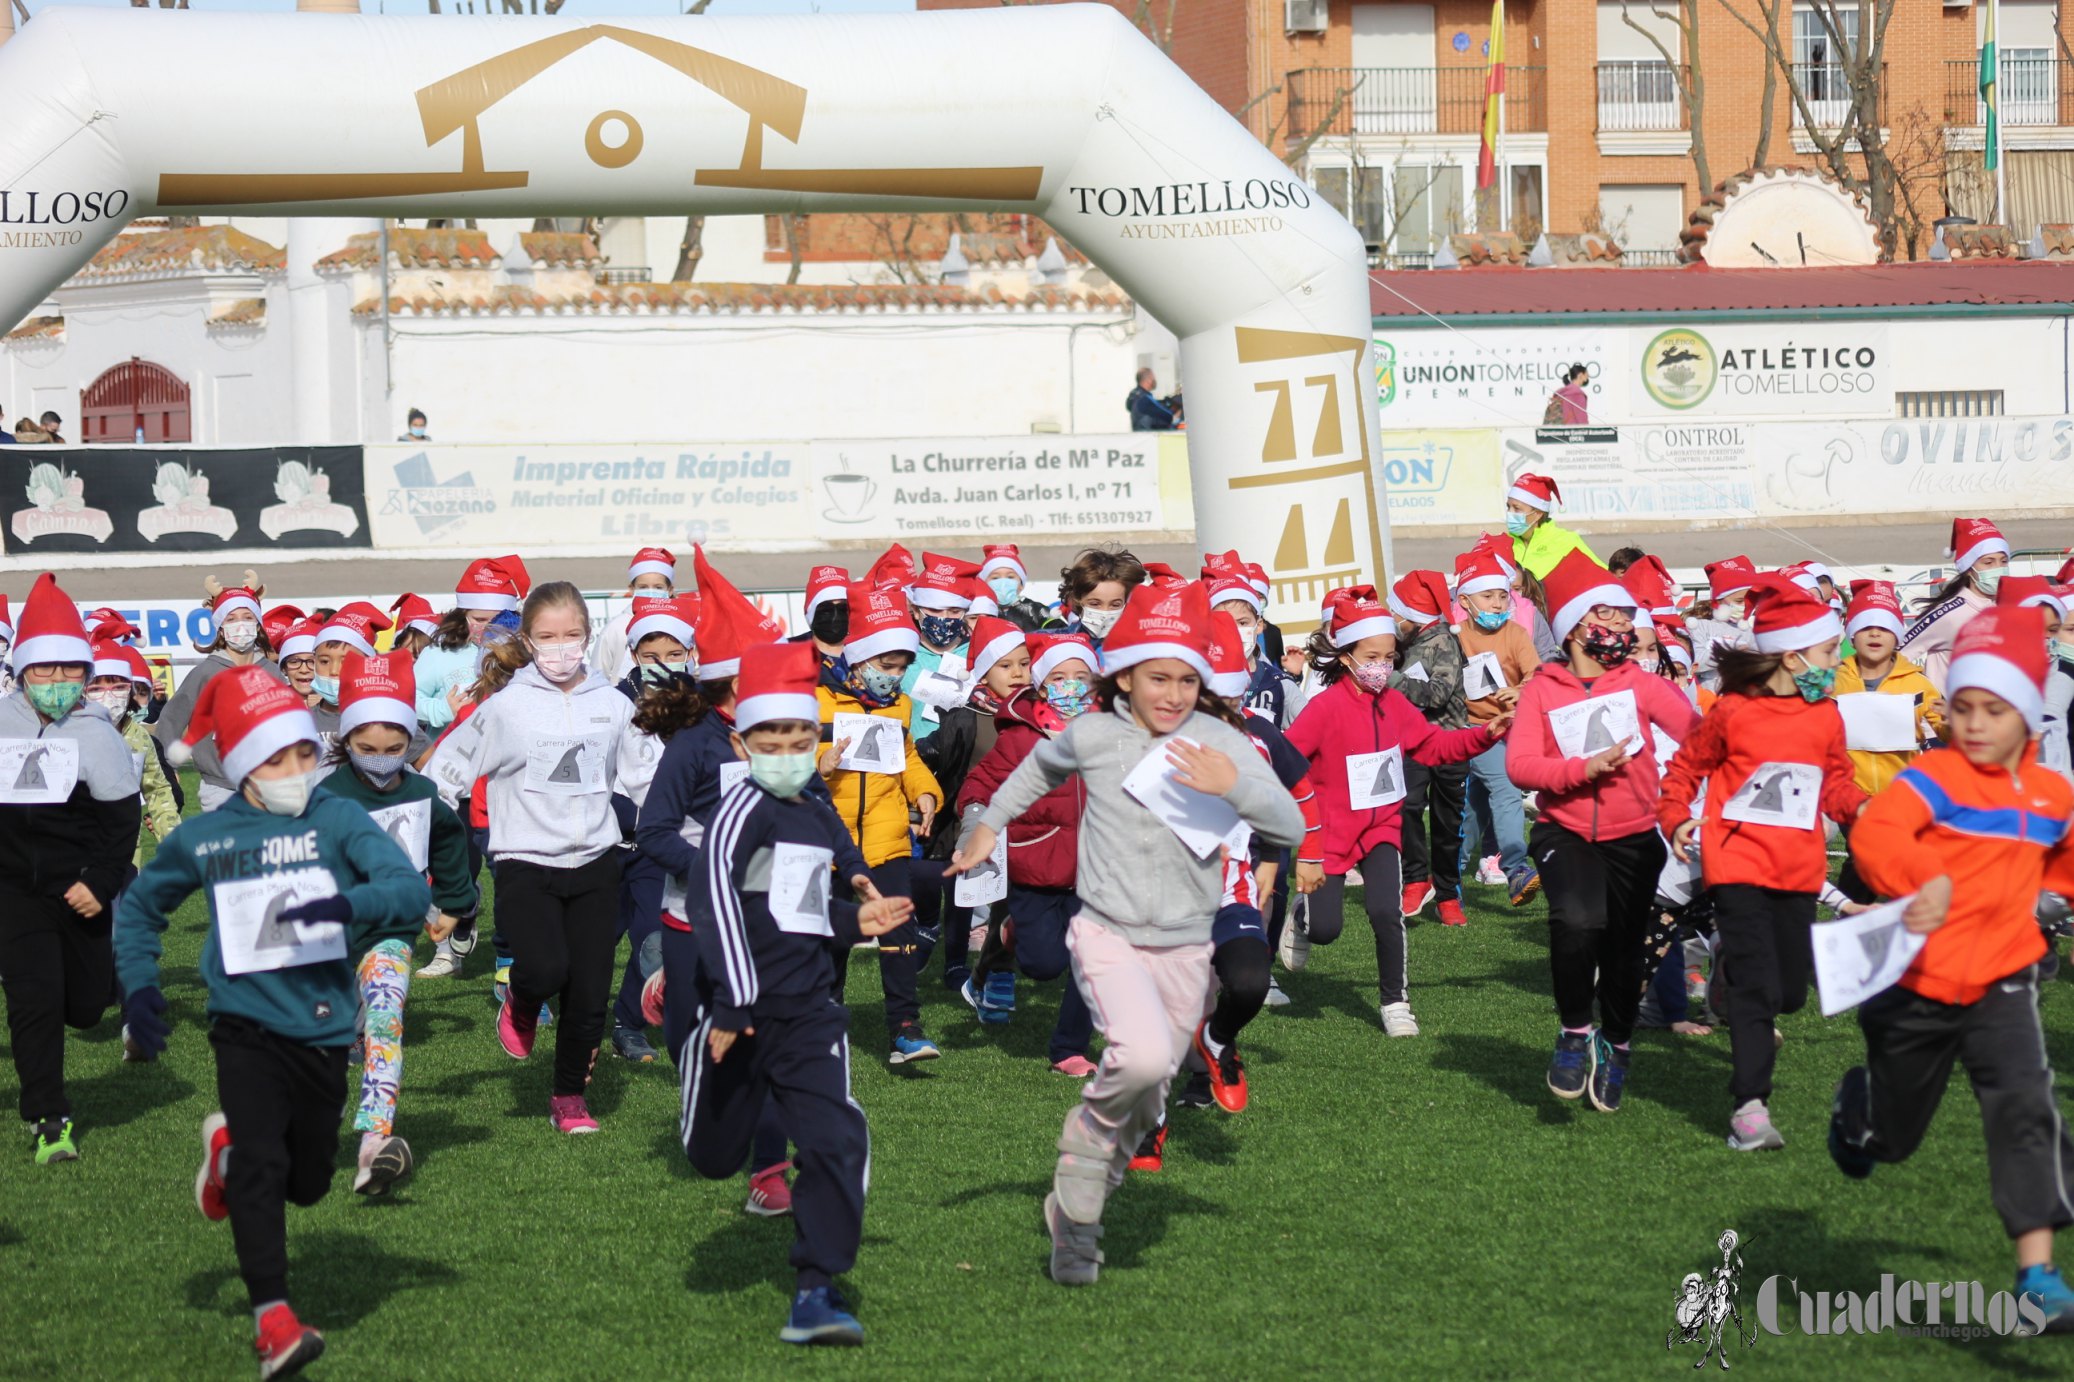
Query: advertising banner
(1427, 377)
(122, 499)
(1917, 465)
(1690, 470)
(1764, 369)
(1438, 478)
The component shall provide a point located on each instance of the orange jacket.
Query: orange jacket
(2002, 838)
(1738, 736)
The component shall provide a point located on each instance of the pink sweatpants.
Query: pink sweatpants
(1146, 1003)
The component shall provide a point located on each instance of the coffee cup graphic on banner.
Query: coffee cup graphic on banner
(849, 495)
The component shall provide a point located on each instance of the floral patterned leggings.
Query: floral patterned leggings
(384, 984)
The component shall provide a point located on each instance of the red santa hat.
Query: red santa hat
(1789, 619)
(1499, 546)
(1353, 613)
(493, 583)
(1229, 674)
(2063, 576)
(983, 601)
(1730, 576)
(355, 626)
(108, 626)
(675, 616)
(1801, 575)
(380, 690)
(1419, 597)
(728, 622)
(1051, 651)
(1576, 586)
(992, 639)
(825, 583)
(1649, 581)
(653, 561)
(1002, 556)
(2031, 590)
(253, 715)
(1479, 571)
(2002, 651)
(1217, 565)
(1536, 491)
(279, 621)
(7, 619)
(415, 612)
(299, 639)
(50, 629)
(1972, 539)
(1162, 623)
(1161, 576)
(776, 683)
(1874, 605)
(878, 624)
(109, 660)
(945, 583)
(1679, 645)
(1233, 587)
(1257, 574)
(140, 670)
(895, 567)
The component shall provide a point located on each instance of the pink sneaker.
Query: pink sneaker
(570, 1114)
(652, 999)
(769, 1194)
(1079, 1067)
(514, 1036)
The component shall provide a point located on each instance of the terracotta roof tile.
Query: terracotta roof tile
(562, 249)
(38, 328)
(1980, 242)
(243, 312)
(691, 298)
(1498, 247)
(414, 247)
(196, 247)
(1586, 250)
(2059, 241)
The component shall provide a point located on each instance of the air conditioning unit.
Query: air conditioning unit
(1303, 16)
(1958, 4)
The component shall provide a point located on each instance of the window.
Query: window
(1638, 89)
(1644, 219)
(1819, 61)
(1949, 403)
(2027, 91)
(1394, 81)
(1427, 206)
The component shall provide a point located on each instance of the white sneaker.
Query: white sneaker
(1489, 874)
(1275, 997)
(1295, 949)
(1398, 1021)
(443, 966)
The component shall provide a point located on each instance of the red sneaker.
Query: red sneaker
(208, 1182)
(1152, 1151)
(652, 1001)
(1416, 896)
(1227, 1073)
(1451, 913)
(770, 1196)
(516, 1039)
(285, 1344)
(570, 1114)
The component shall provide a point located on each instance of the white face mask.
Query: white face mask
(240, 636)
(284, 796)
(558, 662)
(1249, 638)
(116, 702)
(1099, 621)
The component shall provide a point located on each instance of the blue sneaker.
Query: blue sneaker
(818, 1317)
(2055, 1300)
(997, 1002)
(1847, 1124)
(973, 998)
(500, 994)
(1571, 1069)
(909, 1044)
(1609, 1074)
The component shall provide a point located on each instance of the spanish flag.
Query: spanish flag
(1493, 101)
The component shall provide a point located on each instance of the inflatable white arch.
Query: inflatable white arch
(1067, 112)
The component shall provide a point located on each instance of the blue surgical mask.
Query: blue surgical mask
(1516, 523)
(1007, 590)
(943, 630)
(879, 682)
(326, 689)
(781, 774)
(1492, 620)
(1070, 698)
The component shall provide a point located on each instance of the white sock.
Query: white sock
(1212, 1044)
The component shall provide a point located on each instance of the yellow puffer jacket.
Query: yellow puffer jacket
(1874, 771)
(875, 805)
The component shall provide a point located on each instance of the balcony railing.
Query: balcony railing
(1409, 100)
(1641, 96)
(2028, 91)
(1827, 88)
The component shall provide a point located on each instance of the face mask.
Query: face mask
(1249, 639)
(283, 796)
(1815, 682)
(558, 662)
(1516, 524)
(1098, 622)
(241, 636)
(1651, 665)
(880, 683)
(1492, 620)
(831, 622)
(943, 630)
(418, 432)
(326, 689)
(116, 702)
(661, 673)
(379, 768)
(1374, 676)
(1987, 582)
(55, 700)
(1607, 648)
(1070, 698)
(1007, 590)
(781, 774)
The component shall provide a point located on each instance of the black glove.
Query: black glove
(144, 1012)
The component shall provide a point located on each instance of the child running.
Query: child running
(298, 881)
(1873, 623)
(239, 642)
(1141, 942)
(1771, 756)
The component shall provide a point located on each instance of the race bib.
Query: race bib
(409, 824)
(38, 772)
(566, 767)
(876, 744)
(800, 877)
(1482, 676)
(675, 895)
(1200, 821)
(730, 774)
(250, 933)
(1589, 727)
(1879, 724)
(1784, 794)
(1375, 779)
(986, 881)
(942, 687)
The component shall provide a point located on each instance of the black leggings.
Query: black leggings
(1765, 955)
(1601, 900)
(1383, 878)
(563, 927)
(59, 973)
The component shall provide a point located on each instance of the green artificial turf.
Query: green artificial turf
(1422, 1207)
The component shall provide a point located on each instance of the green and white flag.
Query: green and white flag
(1990, 66)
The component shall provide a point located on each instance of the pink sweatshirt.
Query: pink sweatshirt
(1624, 801)
(1343, 720)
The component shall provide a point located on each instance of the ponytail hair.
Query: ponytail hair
(1744, 672)
(672, 706)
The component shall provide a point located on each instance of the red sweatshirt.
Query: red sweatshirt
(1621, 803)
(2001, 838)
(1043, 842)
(1738, 737)
(1343, 721)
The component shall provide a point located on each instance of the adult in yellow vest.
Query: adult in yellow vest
(1538, 543)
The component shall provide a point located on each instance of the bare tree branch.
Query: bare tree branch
(690, 249)
(1692, 89)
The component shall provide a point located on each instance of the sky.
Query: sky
(579, 9)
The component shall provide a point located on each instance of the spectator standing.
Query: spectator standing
(414, 427)
(51, 423)
(1149, 412)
